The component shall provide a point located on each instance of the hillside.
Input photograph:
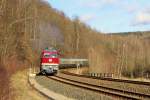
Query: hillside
(28, 26)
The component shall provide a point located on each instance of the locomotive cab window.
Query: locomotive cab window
(54, 56)
(46, 55)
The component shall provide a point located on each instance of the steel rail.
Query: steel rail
(139, 95)
(100, 89)
(109, 79)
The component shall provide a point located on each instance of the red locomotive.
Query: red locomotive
(49, 61)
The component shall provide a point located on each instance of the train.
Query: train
(49, 61)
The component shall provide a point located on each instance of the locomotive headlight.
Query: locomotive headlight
(50, 60)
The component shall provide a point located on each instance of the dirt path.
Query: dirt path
(22, 89)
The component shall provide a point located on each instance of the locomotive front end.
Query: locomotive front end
(49, 62)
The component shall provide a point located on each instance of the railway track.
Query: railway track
(83, 82)
(109, 79)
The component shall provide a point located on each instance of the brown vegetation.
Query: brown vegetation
(28, 26)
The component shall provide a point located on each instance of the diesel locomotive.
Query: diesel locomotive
(49, 61)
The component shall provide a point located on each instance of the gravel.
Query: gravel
(71, 91)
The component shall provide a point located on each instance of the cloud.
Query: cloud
(131, 8)
(87, 17)
(110, 1)
(142, 18)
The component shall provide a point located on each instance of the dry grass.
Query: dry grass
(22, 89)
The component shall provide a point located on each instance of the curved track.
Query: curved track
(110, 79)
(83, 82)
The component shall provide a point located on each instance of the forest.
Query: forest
(28, 26)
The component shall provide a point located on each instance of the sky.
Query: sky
(108, 16)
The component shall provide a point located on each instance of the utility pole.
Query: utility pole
(77, 37)
(77, 42)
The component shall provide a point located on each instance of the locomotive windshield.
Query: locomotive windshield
(53, 56)
(47, 55)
